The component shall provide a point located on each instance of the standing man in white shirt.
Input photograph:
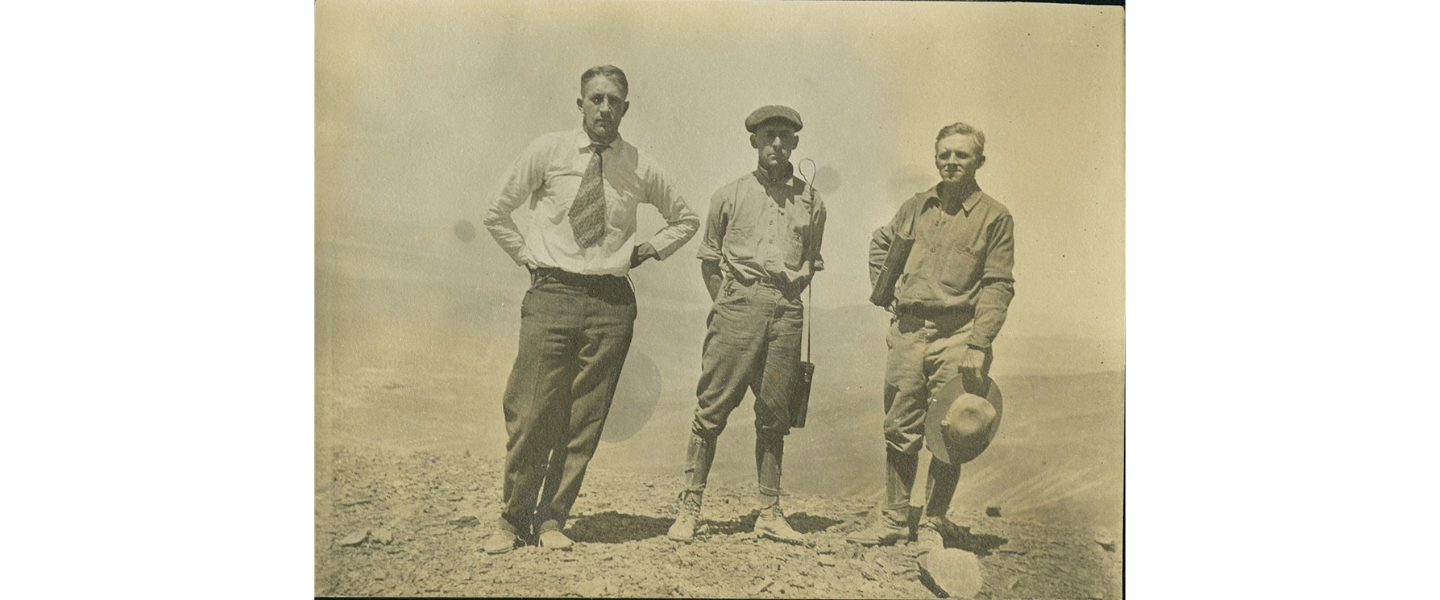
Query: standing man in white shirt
(576, 321)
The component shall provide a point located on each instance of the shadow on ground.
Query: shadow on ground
(959, 536)
(808, 523)
(801, 522)
(611, 527)
(979, 544)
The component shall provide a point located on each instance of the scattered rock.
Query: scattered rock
(992, 511)
(355, 539)
(826, 561)
(953, 571)
(760, 587)
(465, 521)
(594, 588)
(383, 536)
(1106, 543)
(357, 502)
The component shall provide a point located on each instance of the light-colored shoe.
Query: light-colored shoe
(772, 524)
(555, 540)
(683, 529)
(928, 537)
(885, 531)
(501, 541)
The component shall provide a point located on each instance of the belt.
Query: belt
(958, 314)
(779, 285)
(564, 276)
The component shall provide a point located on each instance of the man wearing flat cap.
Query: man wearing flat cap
(949, 303)
(761, 246)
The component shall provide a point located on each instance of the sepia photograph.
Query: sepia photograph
(719, 299)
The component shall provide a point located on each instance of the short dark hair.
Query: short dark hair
(611, 71)
(958, 128)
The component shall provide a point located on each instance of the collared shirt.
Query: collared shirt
(961, 262)
(762, 229)
(548, 174)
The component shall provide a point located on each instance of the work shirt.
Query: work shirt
(960, 264)
(763, 229)
(547, 176)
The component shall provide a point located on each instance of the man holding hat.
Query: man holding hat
(949, 304)
(761, 247)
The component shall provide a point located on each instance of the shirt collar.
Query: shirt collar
(932, 196)
(582, 140)
(764, 176)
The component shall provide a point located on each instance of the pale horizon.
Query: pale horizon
(420, 108)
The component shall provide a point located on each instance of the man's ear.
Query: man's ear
(755, 141)
(797, 142)
(624, 108)
(580, 104)
(981, 163)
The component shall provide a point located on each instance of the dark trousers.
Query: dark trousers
(574, 335)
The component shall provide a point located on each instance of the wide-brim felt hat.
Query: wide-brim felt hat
(959, 425)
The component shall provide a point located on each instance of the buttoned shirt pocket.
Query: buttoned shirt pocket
(740, 240)
(961, 267)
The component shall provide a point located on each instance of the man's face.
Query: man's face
(603, 105)
(958, 157)
(775, 140)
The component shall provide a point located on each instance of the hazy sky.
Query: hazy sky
(421, 106)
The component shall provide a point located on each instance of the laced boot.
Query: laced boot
(771, 524)
(683, 529)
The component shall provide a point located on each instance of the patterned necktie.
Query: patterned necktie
(587, 212)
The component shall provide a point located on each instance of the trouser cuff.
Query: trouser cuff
(504, 524)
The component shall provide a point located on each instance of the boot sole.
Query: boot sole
(771, 536)
(500, 551)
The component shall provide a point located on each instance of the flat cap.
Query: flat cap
(765, 113)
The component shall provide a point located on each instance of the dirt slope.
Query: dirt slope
(435, 509)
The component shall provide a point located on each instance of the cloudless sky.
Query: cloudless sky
(420, 107)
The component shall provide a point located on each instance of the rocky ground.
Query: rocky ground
(396, 523)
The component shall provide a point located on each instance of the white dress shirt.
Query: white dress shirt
(548, 174)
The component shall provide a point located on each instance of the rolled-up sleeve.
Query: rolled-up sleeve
(525, 176)
(716, 221)
(681, 222)
(817, 234)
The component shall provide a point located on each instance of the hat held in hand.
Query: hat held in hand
(958, 424)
